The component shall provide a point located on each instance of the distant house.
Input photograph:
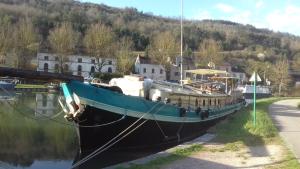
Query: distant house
(145, 67)
(188, 64)
(76, 64)
(241, 76)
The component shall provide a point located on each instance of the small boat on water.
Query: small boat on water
(248, 90)
(133, 112)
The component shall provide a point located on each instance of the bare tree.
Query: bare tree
(296, 62)
(209, 53)
(99, 42)
(280, 76)
(124, 57)
(5, 39)
(164, 49)
(25, 43)
(63, 40)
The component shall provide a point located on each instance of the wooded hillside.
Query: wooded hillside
(239, 44)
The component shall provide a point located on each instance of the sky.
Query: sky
(276, 15)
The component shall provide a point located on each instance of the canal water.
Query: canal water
(33, 132)
(34, 135)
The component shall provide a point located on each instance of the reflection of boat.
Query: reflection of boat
(261, 91)
(7, 95)
(7, 84)
(143, 115)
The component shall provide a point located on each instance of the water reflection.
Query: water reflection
(46, 105)
(33, 133)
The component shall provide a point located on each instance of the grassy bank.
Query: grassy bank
(240, 127)
(237, 132)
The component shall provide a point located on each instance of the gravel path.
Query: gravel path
(286, 117)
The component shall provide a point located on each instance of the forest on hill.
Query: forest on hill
(29, 26)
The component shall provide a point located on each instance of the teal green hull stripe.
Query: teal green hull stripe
(137, 106)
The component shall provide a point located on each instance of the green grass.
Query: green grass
(30, 86)
(240, 127)
(288, 162)
(179, 153)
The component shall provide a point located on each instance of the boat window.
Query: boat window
(153, 70)
(109, 70)
(46, 67)
(179, 102)
(161, 71)
(145, 70)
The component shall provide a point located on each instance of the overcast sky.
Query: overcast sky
(276, 15)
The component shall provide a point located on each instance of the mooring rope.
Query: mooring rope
(112, 142)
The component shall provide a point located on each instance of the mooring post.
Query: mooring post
(254, 100)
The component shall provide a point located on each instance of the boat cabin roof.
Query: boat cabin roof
(206, 71)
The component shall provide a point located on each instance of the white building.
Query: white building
(148, 69)
(76, 64)
(46, 105)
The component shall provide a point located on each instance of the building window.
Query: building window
(44, 100)
(109, 70)
(109, 62)
(56, 67)
(46, 57)
(176, 73)
(145, 70)
(46, 67)
(56, 58)
(79, 60)
(93, 61)
(153, 70)
(66, 68)
(93, 69)
(161, 71)
(79, 69)
(203, 102)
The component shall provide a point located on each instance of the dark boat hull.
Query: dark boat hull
(152, 134)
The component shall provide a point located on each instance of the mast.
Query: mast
(181, 40)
